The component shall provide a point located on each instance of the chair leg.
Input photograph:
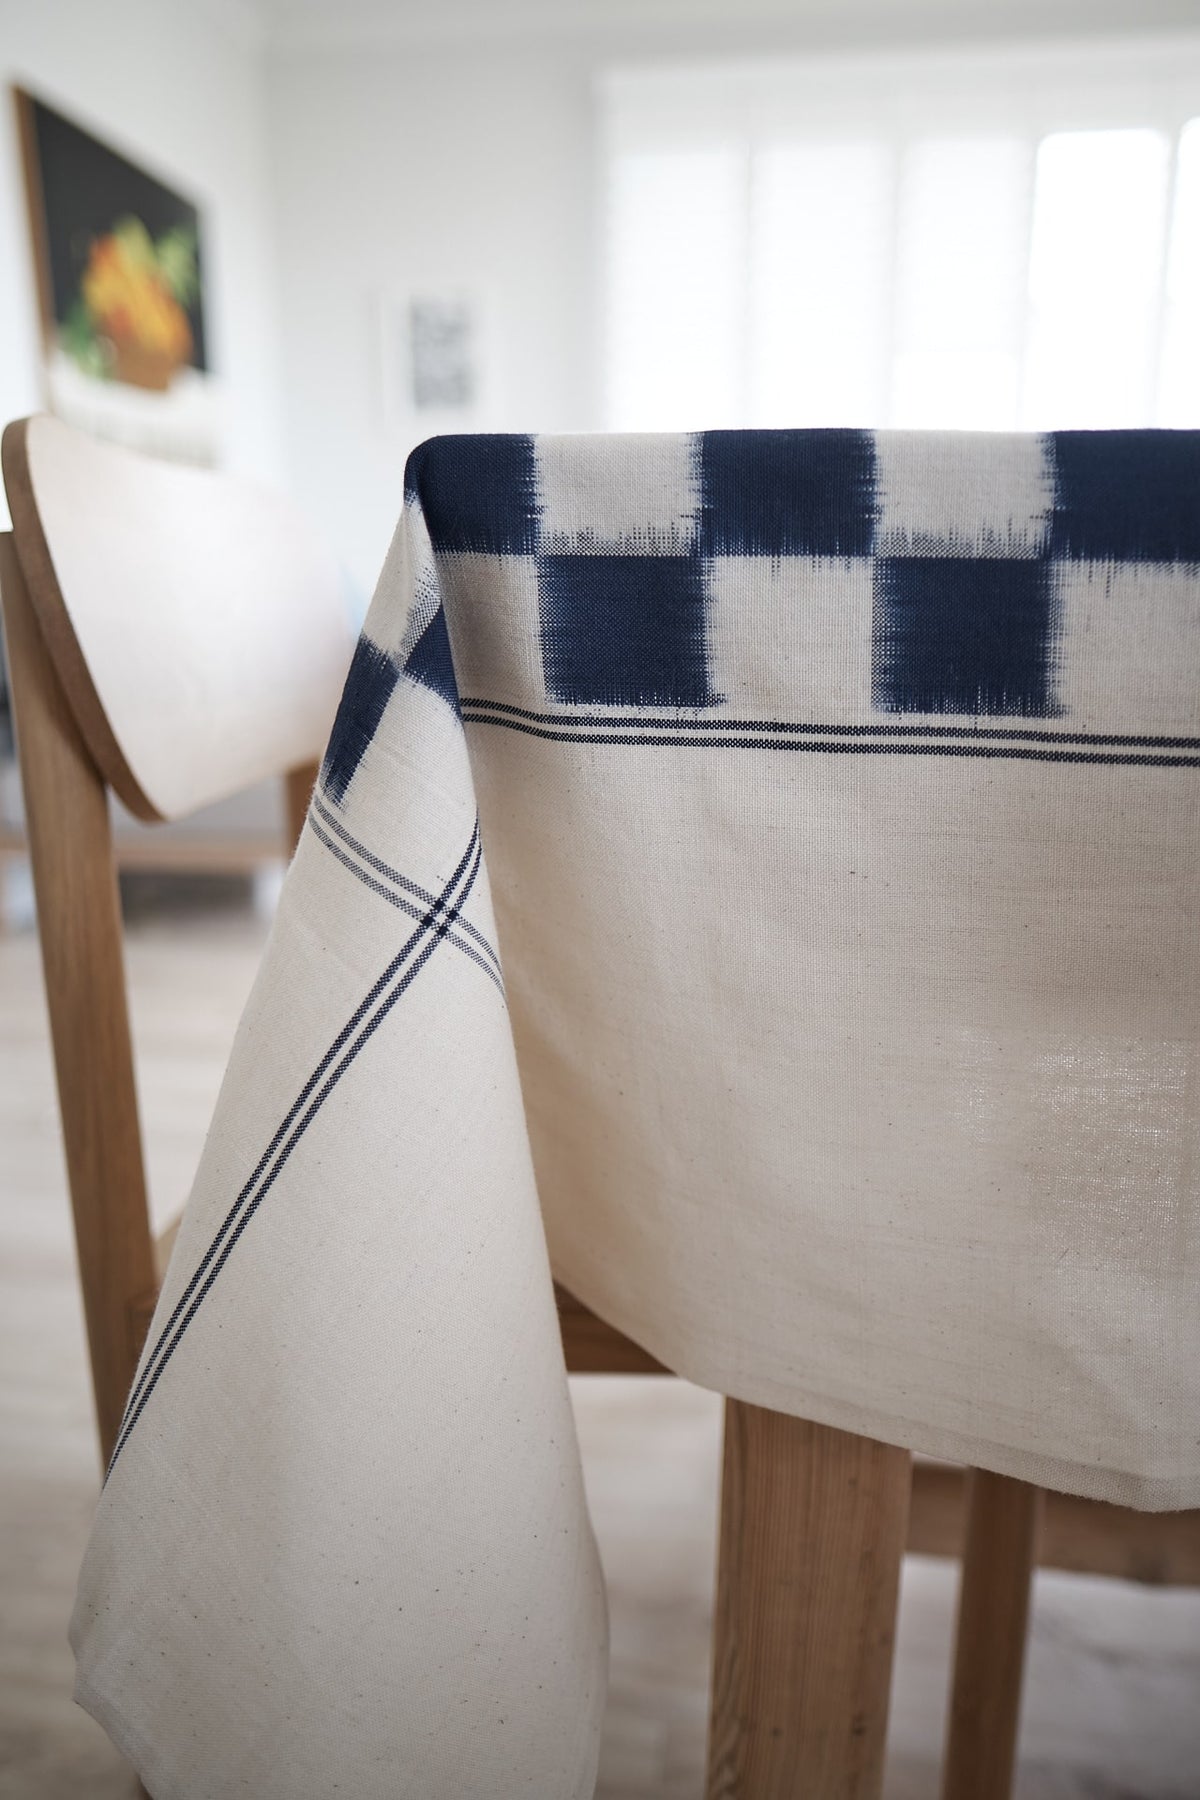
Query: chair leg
(298, 785)
(813, 1523)
(993, 1618)
(79, 924)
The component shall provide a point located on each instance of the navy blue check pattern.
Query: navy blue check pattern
(974, 562)
(836, 593)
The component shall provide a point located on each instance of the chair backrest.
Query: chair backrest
(173, 636)
(195, 621)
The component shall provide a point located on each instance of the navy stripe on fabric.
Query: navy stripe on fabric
(718, 737)
(369, 686)
(402, 882)
(383, 995)
(478, 707)
(388, 893)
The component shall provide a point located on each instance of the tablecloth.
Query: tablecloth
(756, 874)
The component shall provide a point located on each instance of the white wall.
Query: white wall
(436, 169)
(176, 84)
(344, 149)
(433, 146)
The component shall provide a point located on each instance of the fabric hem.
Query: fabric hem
(1089, 1481)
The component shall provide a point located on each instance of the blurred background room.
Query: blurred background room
(292, 239)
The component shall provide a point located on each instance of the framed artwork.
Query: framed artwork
(120, 280)
(435, 370)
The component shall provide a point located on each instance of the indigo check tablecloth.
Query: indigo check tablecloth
(764, 868)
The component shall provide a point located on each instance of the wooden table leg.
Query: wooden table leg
(813, 1524)
(993, 1618)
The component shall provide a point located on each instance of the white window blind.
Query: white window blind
(1009, 240)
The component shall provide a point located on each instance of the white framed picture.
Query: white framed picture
(436, 367)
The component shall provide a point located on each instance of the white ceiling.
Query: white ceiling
(693, 24)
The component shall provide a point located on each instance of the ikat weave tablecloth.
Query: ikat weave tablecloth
(761, 866)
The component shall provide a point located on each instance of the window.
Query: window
(941, 240)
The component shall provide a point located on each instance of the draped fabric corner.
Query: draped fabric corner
(761, 869)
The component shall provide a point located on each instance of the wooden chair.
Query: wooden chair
(814, 1523)
(173, 636)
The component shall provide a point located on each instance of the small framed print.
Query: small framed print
(435, 367)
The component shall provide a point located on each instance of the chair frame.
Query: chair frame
(79, 922)
(814, 1521)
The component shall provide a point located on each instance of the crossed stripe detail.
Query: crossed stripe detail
(393, 887)
(433, 927)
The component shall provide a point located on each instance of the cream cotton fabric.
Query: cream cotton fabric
(839, 799)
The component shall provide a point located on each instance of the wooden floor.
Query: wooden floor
(1114, 1694)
